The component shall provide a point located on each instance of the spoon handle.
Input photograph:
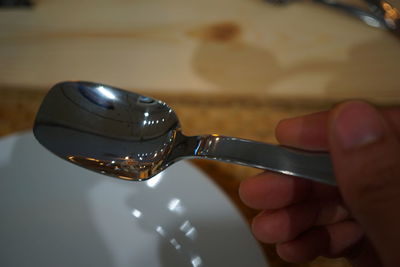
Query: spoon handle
(310, 165)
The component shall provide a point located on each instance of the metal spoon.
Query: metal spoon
(130, 136)
(379, 13)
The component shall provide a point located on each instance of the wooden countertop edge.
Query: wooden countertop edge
(219, 98)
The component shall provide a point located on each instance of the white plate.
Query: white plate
(54, 213)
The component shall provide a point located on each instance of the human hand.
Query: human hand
(358, 219)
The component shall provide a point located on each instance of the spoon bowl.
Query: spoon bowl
(107, 130)
(134, 137)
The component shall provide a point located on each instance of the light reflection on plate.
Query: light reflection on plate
(54, 213)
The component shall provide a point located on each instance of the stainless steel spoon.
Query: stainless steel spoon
(130, 136)
(379, 13)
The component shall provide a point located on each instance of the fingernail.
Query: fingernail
(358, 124)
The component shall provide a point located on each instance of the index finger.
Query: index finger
(310, 132)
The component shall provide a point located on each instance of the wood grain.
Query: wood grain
(241, 47)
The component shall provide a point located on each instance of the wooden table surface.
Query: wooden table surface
(242, 117)
(300, 50)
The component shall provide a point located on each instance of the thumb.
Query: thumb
(366, 158)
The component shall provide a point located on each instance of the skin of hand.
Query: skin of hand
(360, 218)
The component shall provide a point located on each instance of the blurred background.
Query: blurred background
(298, 49)
(235, 67)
